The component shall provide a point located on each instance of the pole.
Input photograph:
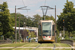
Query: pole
(43, 17)
(25, 32)
(15, 26)
(51, 17)
(19, 24)
(19, 29)
(55, 24)
(63, 29)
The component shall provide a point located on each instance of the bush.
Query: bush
(67, 38)
(22, 40)
(58, 39)
(33, 40)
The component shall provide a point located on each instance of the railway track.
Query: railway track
(54, 47)
(40, 45)
(37, 47)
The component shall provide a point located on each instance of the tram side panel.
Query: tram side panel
(53, 33)
(39, 34)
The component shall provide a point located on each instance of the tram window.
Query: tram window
(39, 33)
(46, 33)
(53, 30)
(46, 28)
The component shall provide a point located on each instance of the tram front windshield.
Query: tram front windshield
(46, 28)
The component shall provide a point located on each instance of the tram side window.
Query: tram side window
(53, 30)
(39, 32)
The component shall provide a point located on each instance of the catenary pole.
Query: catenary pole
(55, 25)
(15, 26)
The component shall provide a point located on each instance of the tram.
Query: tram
(46, 31)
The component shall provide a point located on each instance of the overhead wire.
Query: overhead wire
(27, 12)
(23, 3)
(45, 3)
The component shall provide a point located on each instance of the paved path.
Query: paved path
(41, 47)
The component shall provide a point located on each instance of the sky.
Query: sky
(34, 6)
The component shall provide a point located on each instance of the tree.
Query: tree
(29, 22)
(6, 27)
(68, 15)
(36, 19)
(31, 34)
(22, 19)
(49, 18)
(1, 29)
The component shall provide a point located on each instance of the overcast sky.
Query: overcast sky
(34, 6)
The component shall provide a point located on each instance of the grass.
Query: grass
(31, 45)
(46, 45)
(56, 44)
(23, 49)
(12, 45)
(34, 45)
(5, 49)
(50, 49)
(74, 45)
(62, 45)
(35, 49)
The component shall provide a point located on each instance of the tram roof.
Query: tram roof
(46, 21)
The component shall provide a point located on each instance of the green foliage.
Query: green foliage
(1, 33)
(27, 20)
(67, 38)
(5, 24)
(30, 22)
(1, 37)
(49, 18)
(31, 34)
(33, 40)
(22, 19)
(68, 15)
(36, 19)
(58, 39)
(18, 36)
(73, 33)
